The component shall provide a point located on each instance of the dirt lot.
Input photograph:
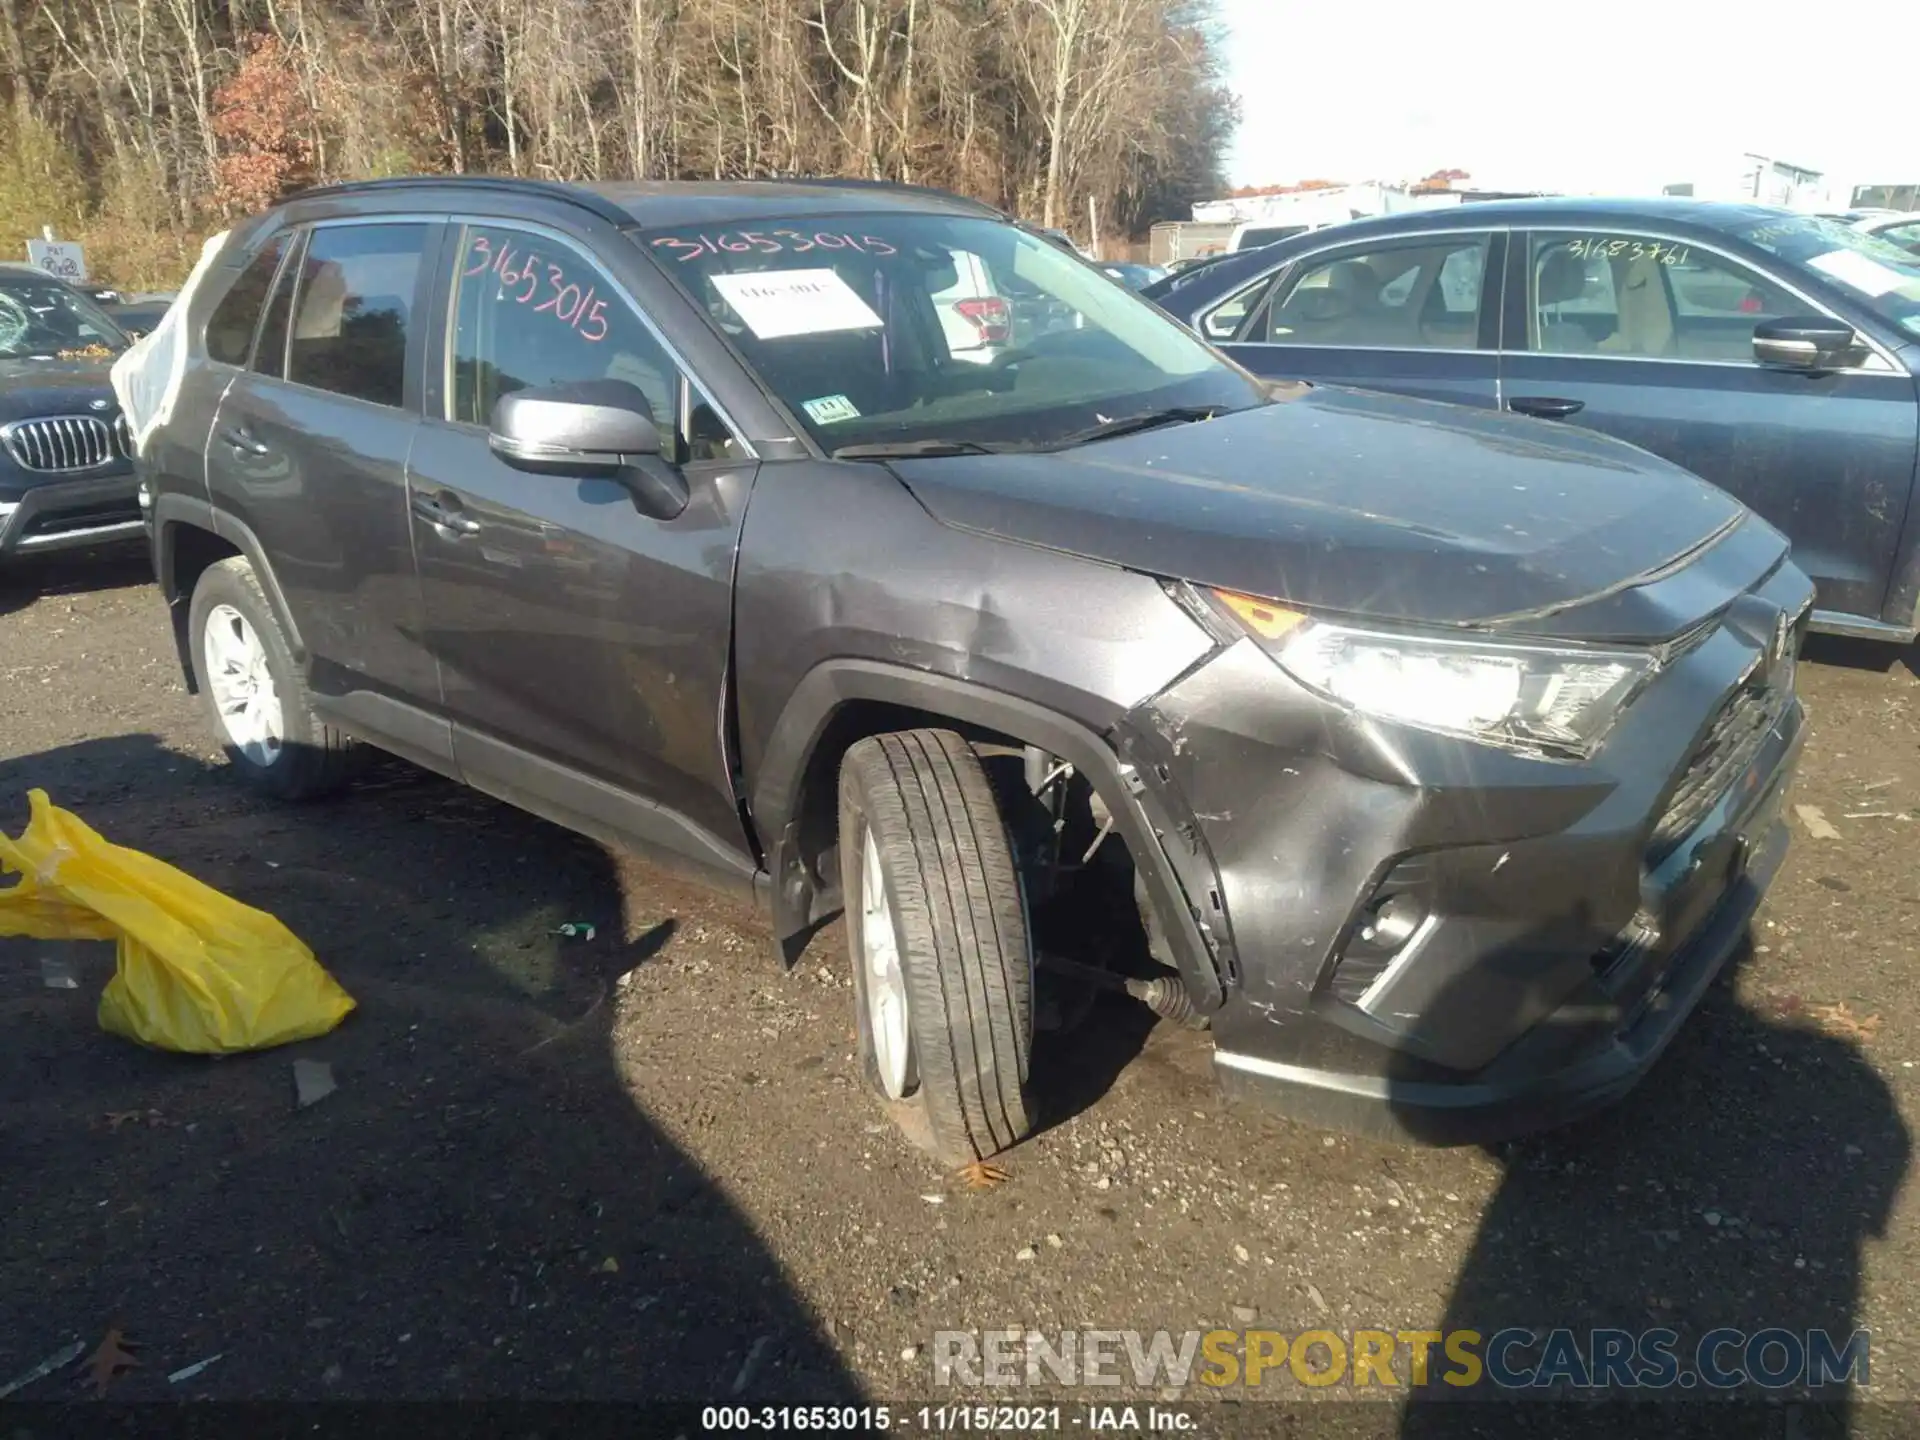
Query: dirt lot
(640, 1165)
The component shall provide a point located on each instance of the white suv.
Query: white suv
(976, 318)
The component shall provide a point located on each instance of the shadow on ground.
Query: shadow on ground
(35, 577)
(1847, 652)
(478, 1210)
(1736, 1187)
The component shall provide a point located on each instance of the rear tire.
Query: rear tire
(254, 692)
(946, 1020)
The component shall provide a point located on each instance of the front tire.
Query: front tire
(937, 930)
(254, 692)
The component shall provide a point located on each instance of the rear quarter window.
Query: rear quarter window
(230, 330)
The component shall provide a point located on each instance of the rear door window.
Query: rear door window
(230, 330)
(355, 308)
(1423, 294)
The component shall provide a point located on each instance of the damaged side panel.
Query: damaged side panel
(1047, 648)
(1080, 637)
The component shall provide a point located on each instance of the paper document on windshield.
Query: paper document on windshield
(778, 303)
(1867, 276)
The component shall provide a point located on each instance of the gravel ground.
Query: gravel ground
(640, 1165)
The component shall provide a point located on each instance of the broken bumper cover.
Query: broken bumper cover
(1446, 941)
(1535, 1086)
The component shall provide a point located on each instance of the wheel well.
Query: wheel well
(816, 815)
(1086, 902)
(190, 552)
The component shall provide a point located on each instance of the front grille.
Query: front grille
(1731, 744)
(62, 442)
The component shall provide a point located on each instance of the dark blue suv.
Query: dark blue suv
(66, 473)
(1772, 353)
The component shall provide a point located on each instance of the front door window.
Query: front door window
(532, 311)
(1604, 293)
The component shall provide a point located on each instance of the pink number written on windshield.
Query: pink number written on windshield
(771, 242)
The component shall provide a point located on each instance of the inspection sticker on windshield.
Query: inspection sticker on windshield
(829, 408)
(776, 303)
(1869, 277)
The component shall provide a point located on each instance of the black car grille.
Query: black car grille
(1735, 738)
(62, 442)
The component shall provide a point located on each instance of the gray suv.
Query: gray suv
(1432, 759)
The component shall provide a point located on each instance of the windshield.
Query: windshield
(1873, 270)
(46, 320)
(879, 329)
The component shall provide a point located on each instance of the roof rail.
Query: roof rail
(859, 182)
(511, 184)
(607, 209)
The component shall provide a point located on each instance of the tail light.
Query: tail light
(990, 315)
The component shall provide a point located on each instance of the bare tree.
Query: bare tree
(1037, 105)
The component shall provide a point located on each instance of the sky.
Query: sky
(1570, 94)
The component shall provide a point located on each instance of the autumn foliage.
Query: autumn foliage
(264, 124)
(155, 121)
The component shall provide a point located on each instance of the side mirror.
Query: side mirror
(591, 429)
(1810, 342)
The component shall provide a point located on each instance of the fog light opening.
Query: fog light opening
(1388, 935)
(1390, 923)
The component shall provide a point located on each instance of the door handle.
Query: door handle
(241, 441)
(436, 510)
(1546, 407)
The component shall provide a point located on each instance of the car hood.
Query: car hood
(55, 387)
(1370, 505)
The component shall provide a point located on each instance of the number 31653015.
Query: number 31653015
(521, 277)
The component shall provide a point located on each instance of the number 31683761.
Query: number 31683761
(521, 280)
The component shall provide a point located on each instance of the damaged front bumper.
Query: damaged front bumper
(1435, 939)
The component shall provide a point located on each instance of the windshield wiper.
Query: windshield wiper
(1145, 420)
(911, 449)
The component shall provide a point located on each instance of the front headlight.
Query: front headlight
(1527, 695)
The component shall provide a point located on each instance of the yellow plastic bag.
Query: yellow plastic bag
(198, 971)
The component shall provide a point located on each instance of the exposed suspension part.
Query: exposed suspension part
(1165, 995)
